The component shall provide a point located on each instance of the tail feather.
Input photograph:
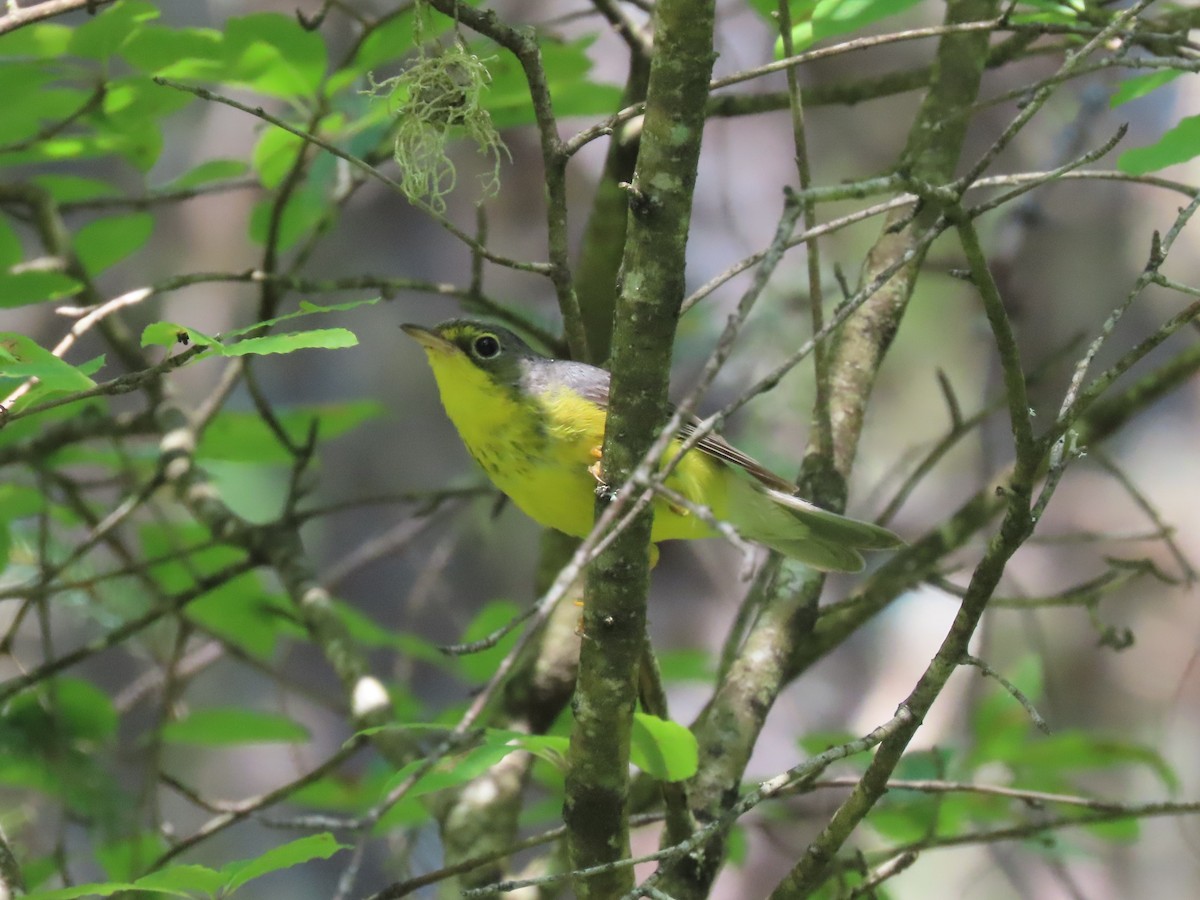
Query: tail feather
(796, 528)
(864, 535)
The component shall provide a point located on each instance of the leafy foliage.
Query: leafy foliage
(181, 581)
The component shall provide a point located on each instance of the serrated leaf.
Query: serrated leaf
(182, 881)
(293, 853)
(316, 339)
(25, 288)
(233, 725)
(1178, 145)
(662, 748)
(21, 357)
(305, 309)
(168, 334)
(105, 242)
(99, 889)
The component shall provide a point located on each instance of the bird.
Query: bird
(535, 425)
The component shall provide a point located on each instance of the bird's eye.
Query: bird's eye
(486, 346)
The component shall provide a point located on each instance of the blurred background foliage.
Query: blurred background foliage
(113, 183)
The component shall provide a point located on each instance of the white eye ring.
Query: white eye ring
(486, 346)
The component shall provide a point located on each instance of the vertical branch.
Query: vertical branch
(933, 149)
(822, 439)
(652, 290)
(728, 728)
(604, 235)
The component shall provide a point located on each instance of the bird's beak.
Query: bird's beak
(430, 340)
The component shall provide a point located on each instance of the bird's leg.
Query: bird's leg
(595, 470)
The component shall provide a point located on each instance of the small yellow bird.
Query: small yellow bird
(536, 425)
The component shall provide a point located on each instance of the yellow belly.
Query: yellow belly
(559, 492)
(540, 457)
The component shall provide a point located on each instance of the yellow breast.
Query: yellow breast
(538, 451)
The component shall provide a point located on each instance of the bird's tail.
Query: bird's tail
(803, 531)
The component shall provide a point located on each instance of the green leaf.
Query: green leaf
(567, 66)
(42, 40)
(305, 208)
(24, 288)
(686, 665)
(1074, 751)
(815, 21)
(32, 101)
(10, 246)
(240, 611)
(156, 49)
(182, 881)
(1124, 831)
(274, 155)
(834, 17)
(70, 188)
(105, 242)
(103, 34)
(316, 339)
(206, 173)
(999, 724)
(1141, 85)
(129, 102)
(479, 667)
(245, 437)
(293, 853)
(394, 39)
(100, 889)
(244, 614)
(273, 54)
(140, 146)
(662, 748)
(305, 309)
(126, 858)
(168, 334)
(364, 630)
(550, 747)
(18, 501)
(21, 357)
(233, 725)
(1178, 145)
(79, 712)
(451, 771)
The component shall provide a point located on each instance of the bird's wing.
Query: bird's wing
(584, 380)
